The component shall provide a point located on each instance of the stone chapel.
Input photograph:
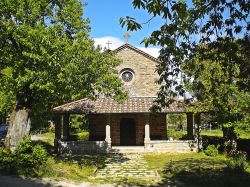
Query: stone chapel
(131, 123)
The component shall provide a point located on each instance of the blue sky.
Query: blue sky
(104, 16)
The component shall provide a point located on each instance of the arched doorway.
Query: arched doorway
(127, 131)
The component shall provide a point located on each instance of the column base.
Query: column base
(108, 141)
(146, 140)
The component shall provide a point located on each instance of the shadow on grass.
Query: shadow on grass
(202, 172)
(97, 160)
(21, 182)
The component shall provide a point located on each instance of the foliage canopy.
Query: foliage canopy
(207, 42)
(48, 58)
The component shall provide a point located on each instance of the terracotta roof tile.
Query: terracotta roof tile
(107, 105)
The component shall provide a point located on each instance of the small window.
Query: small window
(127, 75)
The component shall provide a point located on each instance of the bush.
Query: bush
(237, 162)
(211, 150)
(26, 160)
(29, 156)
(175, 134)
(83, 135)
(6, 161)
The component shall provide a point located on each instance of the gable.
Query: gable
(128, 46)
(142, 67)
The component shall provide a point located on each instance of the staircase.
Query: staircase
(127, 149)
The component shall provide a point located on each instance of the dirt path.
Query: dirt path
(9, 181)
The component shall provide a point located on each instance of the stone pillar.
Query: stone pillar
(147, 133)
(147, 130)
(198, 129)
(57, 119)
(108, 134)
(65, 126)
(190, 126)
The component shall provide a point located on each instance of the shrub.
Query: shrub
(30, 156)
(211, 150)
(176, 134)
(83, 135)
(237, 162)
(26, 160)
(6, 161)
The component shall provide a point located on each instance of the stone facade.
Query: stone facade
(157, 124)
(114, 126)
(143, 84)
(144, 70)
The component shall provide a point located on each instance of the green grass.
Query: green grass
(195, 169)
(244, 134)
(219, 133)
(216, 132)
(58, 168)
(49, 138)
(176, 134)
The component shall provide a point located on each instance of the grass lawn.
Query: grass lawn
(195, 169)
(219, 133)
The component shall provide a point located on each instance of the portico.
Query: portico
(111, 127)
(130, 123)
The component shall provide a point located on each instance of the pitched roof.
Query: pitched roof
(127, 45)
(110, 106)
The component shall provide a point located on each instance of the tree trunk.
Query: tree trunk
(19, 127)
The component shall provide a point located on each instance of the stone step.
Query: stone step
(127, 149)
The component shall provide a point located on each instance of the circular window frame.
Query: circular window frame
(129, 71)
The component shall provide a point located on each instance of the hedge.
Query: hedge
(242, 144)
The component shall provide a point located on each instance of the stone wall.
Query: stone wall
(157, 124)
(155, 146)
(143, 83)
(178, 146)
(97, 125)
(158, 129)
(81, 147)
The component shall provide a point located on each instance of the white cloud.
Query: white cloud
(153, 51)
(116, 42)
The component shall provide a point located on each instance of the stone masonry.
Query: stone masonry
(143, 83)
(157, 126)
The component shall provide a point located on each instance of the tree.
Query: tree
(201, 37)
(47, 58)
(221, 85)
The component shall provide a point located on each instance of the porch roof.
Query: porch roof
(108, 106)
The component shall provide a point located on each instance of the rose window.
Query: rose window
(127, 76)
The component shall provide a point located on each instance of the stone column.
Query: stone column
(65, 126)
(190, 124)
(198, 129)
(57, 119)
(147, 133)
(147, 129)
(108, 134)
